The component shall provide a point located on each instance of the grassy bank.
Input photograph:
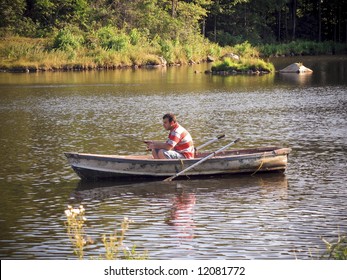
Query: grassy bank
(298, 48)
(105, 49)
(109, 48)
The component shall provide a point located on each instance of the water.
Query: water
(265, 216)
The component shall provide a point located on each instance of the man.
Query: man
(179, 144)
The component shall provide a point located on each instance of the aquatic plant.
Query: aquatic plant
(75, 229)
(336, 250)
(113, 243)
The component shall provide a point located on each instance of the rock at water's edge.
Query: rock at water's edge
(296, 68)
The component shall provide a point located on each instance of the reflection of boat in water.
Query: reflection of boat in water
(104, 189)
(87, 190)
(93, 166)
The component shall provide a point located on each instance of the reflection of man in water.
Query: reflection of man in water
(181, 215)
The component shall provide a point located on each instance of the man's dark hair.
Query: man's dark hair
(171, 117)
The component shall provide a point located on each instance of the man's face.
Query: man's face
(167, 125)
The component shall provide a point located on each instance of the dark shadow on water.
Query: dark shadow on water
(101, 190)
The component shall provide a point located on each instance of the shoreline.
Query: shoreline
(84, 68)
(79, 68)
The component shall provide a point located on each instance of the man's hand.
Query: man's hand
(150, 145)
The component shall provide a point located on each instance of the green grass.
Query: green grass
(111, 48)
(302, 48)
(105, 48)
(248, 62)
(243, 65)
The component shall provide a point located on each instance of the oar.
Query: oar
(201, 161)
(198, 148)
(210, 142)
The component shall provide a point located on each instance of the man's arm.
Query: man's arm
(158, 145)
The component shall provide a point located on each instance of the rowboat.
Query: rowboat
(236, 161)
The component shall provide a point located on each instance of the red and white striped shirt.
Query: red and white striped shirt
(181, 141)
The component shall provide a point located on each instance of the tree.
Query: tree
(223, 21)
(11, 13)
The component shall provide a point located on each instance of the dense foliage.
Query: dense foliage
(269, 21)
(223, 21)
(88, 34)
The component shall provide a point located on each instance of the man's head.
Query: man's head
(169, 120)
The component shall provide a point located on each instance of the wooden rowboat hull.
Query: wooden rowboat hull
(95, 166)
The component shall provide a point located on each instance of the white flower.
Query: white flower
(68, 213)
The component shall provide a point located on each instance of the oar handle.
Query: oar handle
(210, 142)
(201, 161)
(227, 146)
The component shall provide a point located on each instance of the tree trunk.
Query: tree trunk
(339, 26)
(173, 8)
(215, 28)
(294, 6)
(279, 26)
(319, 21)
(286, 24)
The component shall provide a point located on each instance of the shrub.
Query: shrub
(245, 64)
(167, 50)
(135, 36)
(111, 39)
(65, 40)
(245, 49)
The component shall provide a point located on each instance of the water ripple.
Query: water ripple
(243, 217)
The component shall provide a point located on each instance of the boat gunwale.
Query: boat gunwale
(257, 152)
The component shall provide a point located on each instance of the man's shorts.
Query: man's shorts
(173, 155)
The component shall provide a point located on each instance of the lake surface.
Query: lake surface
(264, 216)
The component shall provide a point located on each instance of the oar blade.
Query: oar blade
(169, 179)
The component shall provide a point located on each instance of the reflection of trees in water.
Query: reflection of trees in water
(181, 214)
